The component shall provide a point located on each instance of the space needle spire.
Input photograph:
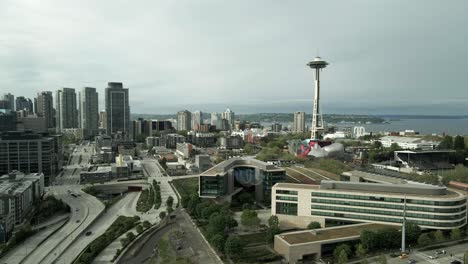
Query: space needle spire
(317, 125)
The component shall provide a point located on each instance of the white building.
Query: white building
(299, 122)
(359, 132)
(408, 142)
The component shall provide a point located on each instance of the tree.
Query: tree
(216, 225)
(446, 143)
(455, 234)
(273, 221)
(439, 236)
(459, 143)
(342, 257)
(218, 241)
(340, 248)
(169, 201)
(130, 236)
(465, 257)
(250, 218)
(248, 148)
(163, 163)
(146, 224)
(245, 198)
(377, 144)
(413, 231)
(424, 239)
(369, 239)
(162, 215)
(361, 251)
(382, 259)
(233, 247)
(314, 225)
(139, 229)
(271, 232)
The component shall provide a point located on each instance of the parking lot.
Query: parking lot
(453, 253)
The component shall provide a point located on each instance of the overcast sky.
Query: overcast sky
(385, 56)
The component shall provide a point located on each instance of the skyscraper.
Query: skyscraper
(197, 119)
(23, 103)
(214, 118)
(117, 109)
(67, 113)
(184, 120)
(299, 122)
(89, 111)
(229, 116)
(11, 99)
(45, 107)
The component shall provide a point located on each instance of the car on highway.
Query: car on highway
(78, 220)
(455, 262)
(77, 209)
(438, 252)
(433, 257)
(88, 233)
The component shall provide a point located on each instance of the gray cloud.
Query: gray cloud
(244, 54)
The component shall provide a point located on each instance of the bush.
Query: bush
(314, 225)
(139, 229)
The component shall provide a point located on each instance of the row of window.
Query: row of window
(391, 206)
(387, 199)
(386, 219)
(392, 213)
(286, 208)
(286, 198)
(286, 192)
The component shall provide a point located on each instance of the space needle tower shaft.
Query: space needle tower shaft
(317, 123)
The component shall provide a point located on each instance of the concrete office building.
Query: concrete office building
(66, 110)
(202, 162)
(103, 120)
(214, 118)
(171, 140)
(184, 120)
(184, 150)
(31, 122)
(229, 116)
(117, 110)
(197, 120)
(29, 152)
(45, 108)
(299, 122)
(408, 142)
(237, 174)
(89, 111)
(23, 103)
(7, 121)
(276, 127)
(428, 206)
(10, 98)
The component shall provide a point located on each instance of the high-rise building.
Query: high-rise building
(184, 120)
(67, 113)
(89, 111)
(229, 116)
(11, 99)
(30, 153)
(102, 120)
(299, 122)
(117, 110)
(197, 119)
(214, 118)
(23, 103)
(45, 107)
(276, 127)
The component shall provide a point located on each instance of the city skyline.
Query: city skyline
(380, 67)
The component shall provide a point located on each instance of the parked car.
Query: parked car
(433, 257)
(411, 261)
(88, 233)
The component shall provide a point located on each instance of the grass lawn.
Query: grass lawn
(186, 186)
(257, 254)
(254, 239)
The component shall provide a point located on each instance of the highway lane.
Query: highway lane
(97, 228)
(84, 209)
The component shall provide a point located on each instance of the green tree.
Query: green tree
(377, 144)
(271, 232)
(446, 143)
(314, 225)
(169, 201)
(439, 236)
(273, 221)
(250, 218)
(424, 239)
(130, 236)
(216, 224)
(455, 234)
(413, 231)
(233, 247)
(146, 224)
(218, 241)
(361, 251)
(459, 143)
(248, 148)
(382, 259)
(342, 247)
(139, 229)
(162, 215)
(369, 239)
(342, 257)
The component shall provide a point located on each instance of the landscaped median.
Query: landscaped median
(121, 225)
(149, 197)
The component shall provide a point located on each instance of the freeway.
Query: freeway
(78, 161)
(84, 210)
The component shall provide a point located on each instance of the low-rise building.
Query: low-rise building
(184, 150)
(173, 139)
(96, 174)
(231, 142)
(408, 142)
(175, 169)
(202, 162)
(430, 207)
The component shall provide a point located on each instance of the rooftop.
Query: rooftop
(316, 235)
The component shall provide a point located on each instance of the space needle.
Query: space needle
(317, 125)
